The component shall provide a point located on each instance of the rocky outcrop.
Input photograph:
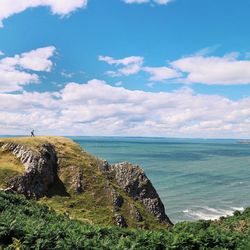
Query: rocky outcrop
(123, 189)
(79, 182)
(134, 181)
(136, 214)
(117, 199)
(40, 169)
(76, 180)
(120, 221)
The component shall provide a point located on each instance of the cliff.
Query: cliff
(57, 172)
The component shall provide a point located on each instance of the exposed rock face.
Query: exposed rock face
(117, 199)
(134, 181)
(40, 169)
(120, 221)
(136, 214)
(76, 180)
(41, 166)
(79, 182)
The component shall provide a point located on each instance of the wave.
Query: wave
(238, 183)
(207, 213)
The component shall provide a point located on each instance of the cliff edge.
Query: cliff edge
(59, 173)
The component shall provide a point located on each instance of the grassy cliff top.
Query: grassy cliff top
(95, 204)
(34, 143)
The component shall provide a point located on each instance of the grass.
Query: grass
(95, 204)
(10, 167)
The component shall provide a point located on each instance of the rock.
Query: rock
(75, 179)
(121, 183)
(7, 191)
(79, 183)
(117, 199)
(40, 169)
(136, 214)
(104, 166)
(134, 181)
(120, 221)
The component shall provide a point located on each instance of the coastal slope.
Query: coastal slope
(57, 172)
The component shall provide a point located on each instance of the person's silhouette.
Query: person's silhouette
(32, 133)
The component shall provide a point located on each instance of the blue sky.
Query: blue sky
(187, 51)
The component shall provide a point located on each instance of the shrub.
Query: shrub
(25, 224)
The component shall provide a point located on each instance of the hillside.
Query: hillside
(59, 173)
(24, 224)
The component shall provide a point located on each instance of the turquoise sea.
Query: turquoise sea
(195, 178)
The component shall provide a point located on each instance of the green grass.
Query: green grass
(9, 168)
(25, 224)
(94, 205)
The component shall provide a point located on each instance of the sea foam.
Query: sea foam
(208, 213)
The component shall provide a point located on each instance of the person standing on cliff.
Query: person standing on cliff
(32, 133)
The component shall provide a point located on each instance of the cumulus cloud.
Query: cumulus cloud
(15, 72)
(226, 70)
(161, 2)
(83, 109)
(59, 7)
(161, 73)
(134, 64)
(126, 66)
(198, 68)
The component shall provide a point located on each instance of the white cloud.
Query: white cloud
(127, 66)
(207, 51)
(15, 71)
(1, 53)
(66, 74)
(59, 7)
(14, 80)
(211, 70)
(83, 109)
(161, 73)
(37, 60)
(161, 2)
(198, 68)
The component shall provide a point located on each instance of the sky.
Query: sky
(171, 68)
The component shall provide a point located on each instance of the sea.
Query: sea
(195, 178)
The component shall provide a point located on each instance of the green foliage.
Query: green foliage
(26, 224)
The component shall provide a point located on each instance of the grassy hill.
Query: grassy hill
(95, 204)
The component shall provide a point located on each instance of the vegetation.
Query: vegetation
(95, 204)
(26, 224)
(10, 166)
(66, 220)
